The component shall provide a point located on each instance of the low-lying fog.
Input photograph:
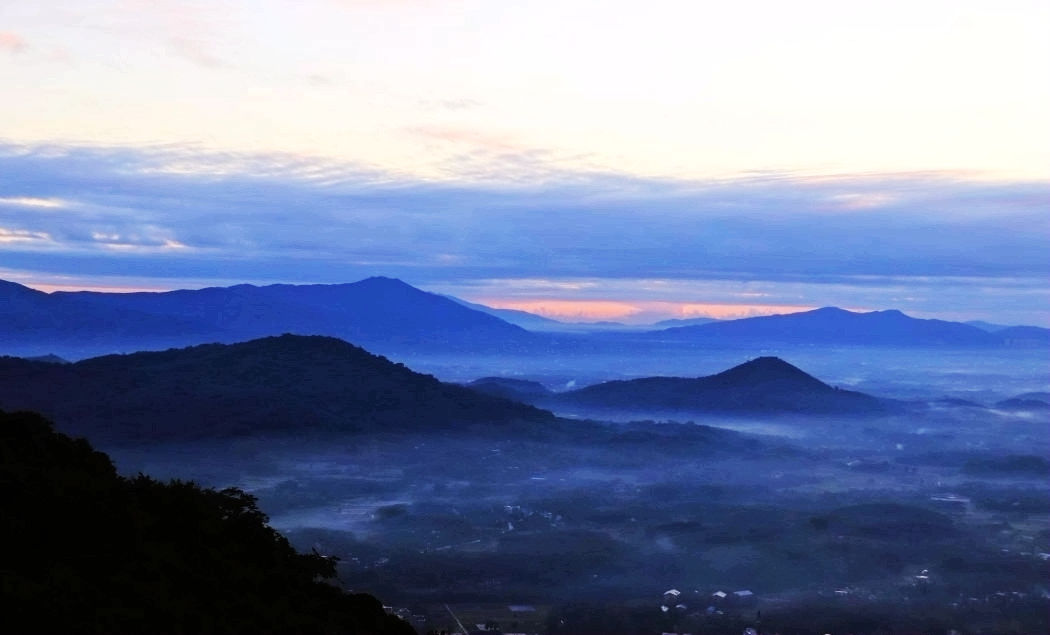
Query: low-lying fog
(790, 506)
(976, 374)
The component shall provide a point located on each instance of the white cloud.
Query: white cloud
(30, 201)
(23, 236)
(666, 88)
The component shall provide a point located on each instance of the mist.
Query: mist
(834, 509)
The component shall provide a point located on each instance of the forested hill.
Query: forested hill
(83, 550)
(766, 385)
(286, 384)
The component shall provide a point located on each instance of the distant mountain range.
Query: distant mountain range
(389, 316)
(289, 384)
(524, 319)
(1030, 402)
(381, 313)
(766, 385)
(834, 326)
(676, 322)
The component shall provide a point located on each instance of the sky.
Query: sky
(581, 159)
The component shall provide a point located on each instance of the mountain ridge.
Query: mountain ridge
(383, 313)
(832, 325)
(283, 384)
(391, 316)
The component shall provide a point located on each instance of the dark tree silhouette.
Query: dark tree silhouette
(84, 550)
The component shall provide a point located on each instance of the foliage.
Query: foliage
(85, 550)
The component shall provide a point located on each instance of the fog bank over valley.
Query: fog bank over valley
(821, 479)
(794, 508)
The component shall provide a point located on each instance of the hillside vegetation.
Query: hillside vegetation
(84, 550)
(290, 384)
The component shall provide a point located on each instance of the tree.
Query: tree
(84, 550)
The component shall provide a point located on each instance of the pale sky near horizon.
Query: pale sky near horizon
(588, 159)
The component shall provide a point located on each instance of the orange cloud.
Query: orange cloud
(12, 42)
(728, 311)
(571, 310)
(638, 312)
(73, 286)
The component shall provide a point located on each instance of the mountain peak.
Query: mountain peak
(770, 363)
(764, 384)
(766, 369)
(830, 310)
(13, 289)
(897, 313)
(384, 281)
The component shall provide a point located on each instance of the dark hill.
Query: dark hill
(286, 384)
(763, 385)
(52, 359)
(87, 551)
(832, 325)
(382, 313)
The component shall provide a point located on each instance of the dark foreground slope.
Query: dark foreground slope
(83, 550)
(288, 384)
(766, 385)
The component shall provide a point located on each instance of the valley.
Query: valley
(800, 486)
(810, 513)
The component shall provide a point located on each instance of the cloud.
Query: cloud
(929, 242)
(29, 201)
(22, 236)
(196, 51)
(12, 42)
(393, 4)
(452, 104)
(193, 31)
(467, 136)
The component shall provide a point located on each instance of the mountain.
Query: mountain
(284, 385)
(836, 326)
(31, 318)
(524, 319)
(53, 359)
(382, 313)
(697, 321)
(986, 326)
(766, 385)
